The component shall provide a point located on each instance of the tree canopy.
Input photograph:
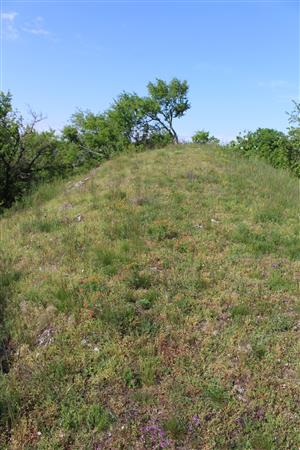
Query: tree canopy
(166, 102)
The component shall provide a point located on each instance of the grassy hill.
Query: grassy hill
(153, 304)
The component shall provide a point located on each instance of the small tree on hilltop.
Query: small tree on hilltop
(128, 112)
(166, 102)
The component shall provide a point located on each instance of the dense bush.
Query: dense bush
(271, 145)
(93, 137)
(294, 141)
(203, 137)
(26, 156)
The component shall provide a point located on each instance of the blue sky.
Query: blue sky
(241, 59)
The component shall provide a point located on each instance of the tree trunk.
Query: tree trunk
(175, 137)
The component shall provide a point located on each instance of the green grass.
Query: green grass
(155, 305)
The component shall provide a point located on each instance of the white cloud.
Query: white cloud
(37, 31)
(9, 16)
(36, 27)
(9, 29)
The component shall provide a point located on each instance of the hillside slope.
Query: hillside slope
(153, 304)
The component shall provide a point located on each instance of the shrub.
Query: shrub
(94, 137)
(203, 137)
(271, 145)
(26, 156)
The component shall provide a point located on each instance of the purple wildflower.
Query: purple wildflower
(154, 436)
(196, 421)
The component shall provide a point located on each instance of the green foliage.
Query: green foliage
(294, 116)
(215, 393)
(138, 280)
(26, 156)
(89, 417)
(266, 143)
(166, 102)
(132, 379)
(294, 138)
(158, 138)
(240, 311)
(203, 137)
(128, 112)
(95, 136)
(131, 120)
(279, 149)
(131, 113)
(176, 426)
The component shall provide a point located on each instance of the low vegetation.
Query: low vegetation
(203, 137)
(152, 303)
